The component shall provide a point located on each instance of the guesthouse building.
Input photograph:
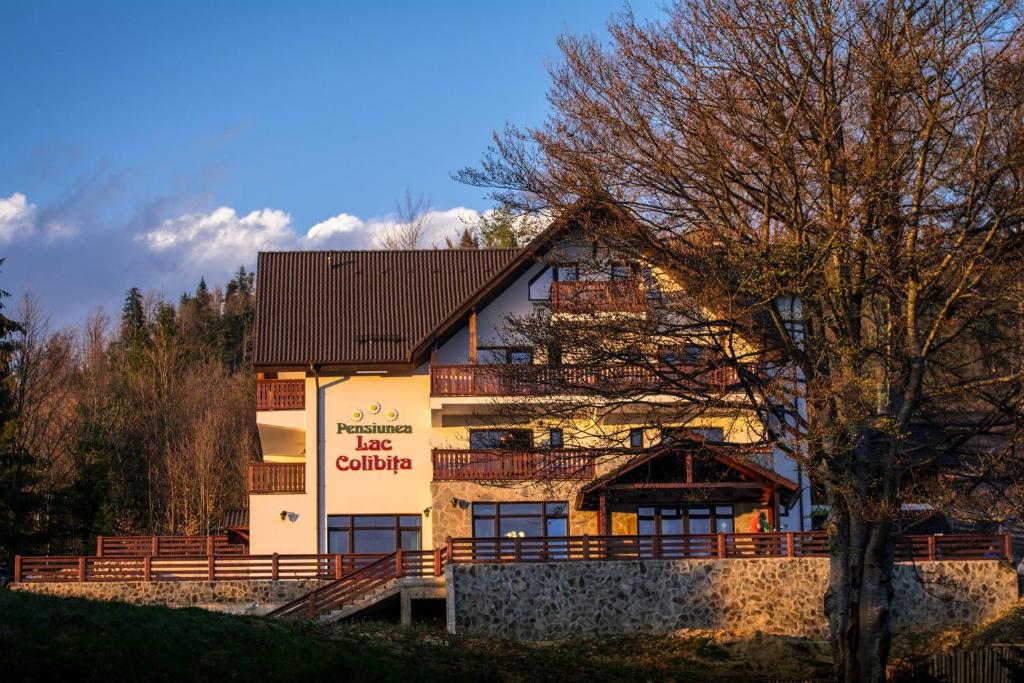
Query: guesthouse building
(387, 399)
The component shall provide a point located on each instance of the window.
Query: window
(714, 434)
(621, 271)
(693, 519)
(555, 438)
(504, 355)
(636, 437)
(651, 283)
(567, 272)
(372, 533)
(510, 520)
(540, 285)
(504, 439)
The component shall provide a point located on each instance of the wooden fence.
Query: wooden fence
(110, 546)
(276, 477)
(280, 394)
(540, 380)
(506, 465)
(720, 546)
(187, 567)
(352, 587)
(490, 550)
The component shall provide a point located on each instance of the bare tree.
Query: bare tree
(837, 186)
(412, 221)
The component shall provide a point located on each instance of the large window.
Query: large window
(500, 439)
(504, 355)
(692, 519)
(510, 520)
(372, 533)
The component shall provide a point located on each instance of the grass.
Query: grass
(47, 638)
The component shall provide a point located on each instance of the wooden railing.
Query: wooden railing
(540, 380)
(280, 394)
(109, 546)
(498, 465)
(612, 296)
(718, 546)
(350, 588)
(187, 567)
(277, 477)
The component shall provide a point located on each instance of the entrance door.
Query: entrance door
(699, 521)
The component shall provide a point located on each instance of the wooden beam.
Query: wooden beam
(689, 467)
(602, 514)
(472, 336)
(685, 485)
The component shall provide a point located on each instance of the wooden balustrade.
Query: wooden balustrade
(335, 595)
(280, 394)
(277, 477)
(499, 465)
(540, 380)
(109, 546)
(189, 567)
(362, 572)
(610, 296)
(720, 546)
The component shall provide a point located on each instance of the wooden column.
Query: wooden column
(472, 336)
(602, 514)
(773, 501)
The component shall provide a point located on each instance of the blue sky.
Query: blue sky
(147, 143)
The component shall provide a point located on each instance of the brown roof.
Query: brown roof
(363, 307)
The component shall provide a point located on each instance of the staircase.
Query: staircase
(363, 587)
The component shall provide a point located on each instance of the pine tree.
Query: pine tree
(21, 505)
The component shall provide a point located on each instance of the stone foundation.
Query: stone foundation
(775, 596)
(255, 597)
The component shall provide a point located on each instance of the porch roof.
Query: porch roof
(754, 479)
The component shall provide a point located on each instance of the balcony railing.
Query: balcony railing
(610, 296)
(280, 394)
(499, 465)
(541, 380)
(276, 477)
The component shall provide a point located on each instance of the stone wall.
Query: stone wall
(242, 596)
(775, 596)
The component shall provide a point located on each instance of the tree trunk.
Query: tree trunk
(859, 595)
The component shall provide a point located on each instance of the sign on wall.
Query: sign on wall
(372, 454)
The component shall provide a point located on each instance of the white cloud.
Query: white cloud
(205, 238)
(341, 224)
(20, 220)
(218, 241)
(17, 218)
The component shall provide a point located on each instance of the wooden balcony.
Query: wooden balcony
(544, 380)
(280, 394)
(499, 465)
(276, 477)
(610, 296)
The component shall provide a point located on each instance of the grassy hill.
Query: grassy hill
(45, 638)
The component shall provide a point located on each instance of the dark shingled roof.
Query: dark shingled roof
(362, 307)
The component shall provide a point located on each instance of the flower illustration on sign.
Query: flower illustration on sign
(357, 415)
(374, 408)
(391, 414)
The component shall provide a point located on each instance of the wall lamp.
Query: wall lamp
(284, 515)
(458, 503)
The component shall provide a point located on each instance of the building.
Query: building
(384, 403)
